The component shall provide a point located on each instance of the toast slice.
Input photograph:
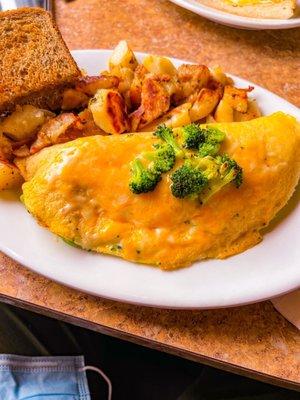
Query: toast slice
(35, 63)
(269, 9)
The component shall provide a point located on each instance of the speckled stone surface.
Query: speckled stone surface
(253, 340)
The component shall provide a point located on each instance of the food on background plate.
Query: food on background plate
(271, 9)
(146, 161)
(96, 192)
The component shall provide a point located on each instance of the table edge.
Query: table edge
(153, 344)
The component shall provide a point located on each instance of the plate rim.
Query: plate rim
(21, 261)
(225, 18)
(287, 287)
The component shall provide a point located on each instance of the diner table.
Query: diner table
(252, 340)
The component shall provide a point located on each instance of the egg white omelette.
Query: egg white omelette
(79, 190)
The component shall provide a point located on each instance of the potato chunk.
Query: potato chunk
(237, 98)
(109, 111)
(220, 76)
(125, 76)
(10, 176)
(155, 101)
(205, 103)
(159, 65)
(179, 116)
(23, 123)
(224, 112)
(5, 148)
(122, 57)
(252, 112)
(73, 99)
(192, 79)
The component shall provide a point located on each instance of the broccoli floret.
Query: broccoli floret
(166, 134)
(228, 171)
(208, 166)
(193, 136)
(163, 159)
(143, 179)
(145, 176)
(193, 176)
(211, 145)
(187, 181)
(208, 149)
(214, 135)
(204, 176)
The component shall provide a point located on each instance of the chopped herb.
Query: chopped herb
(71, 243)
(116, 247)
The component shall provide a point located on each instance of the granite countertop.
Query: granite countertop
(253, 340)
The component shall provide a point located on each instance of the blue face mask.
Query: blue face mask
(43, 378)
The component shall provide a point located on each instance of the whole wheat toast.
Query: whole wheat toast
(35, 63)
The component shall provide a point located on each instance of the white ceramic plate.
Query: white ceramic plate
(267, 270)
(237, 21)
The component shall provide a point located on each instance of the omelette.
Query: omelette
(79, 190)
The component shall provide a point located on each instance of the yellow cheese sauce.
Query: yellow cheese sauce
(241, 3)
(79, 190)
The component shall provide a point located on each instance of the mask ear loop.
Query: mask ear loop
(105, 377)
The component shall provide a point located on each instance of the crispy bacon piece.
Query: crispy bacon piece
(61, 129)
(22, 151)
(20, 143)
(90, 84)
(135, 119)
(21, 148)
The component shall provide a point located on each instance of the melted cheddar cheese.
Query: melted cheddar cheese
(79, 190)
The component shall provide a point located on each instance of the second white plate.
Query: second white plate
(237, 21)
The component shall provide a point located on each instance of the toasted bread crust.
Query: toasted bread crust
(283, 10)
(35, 63)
